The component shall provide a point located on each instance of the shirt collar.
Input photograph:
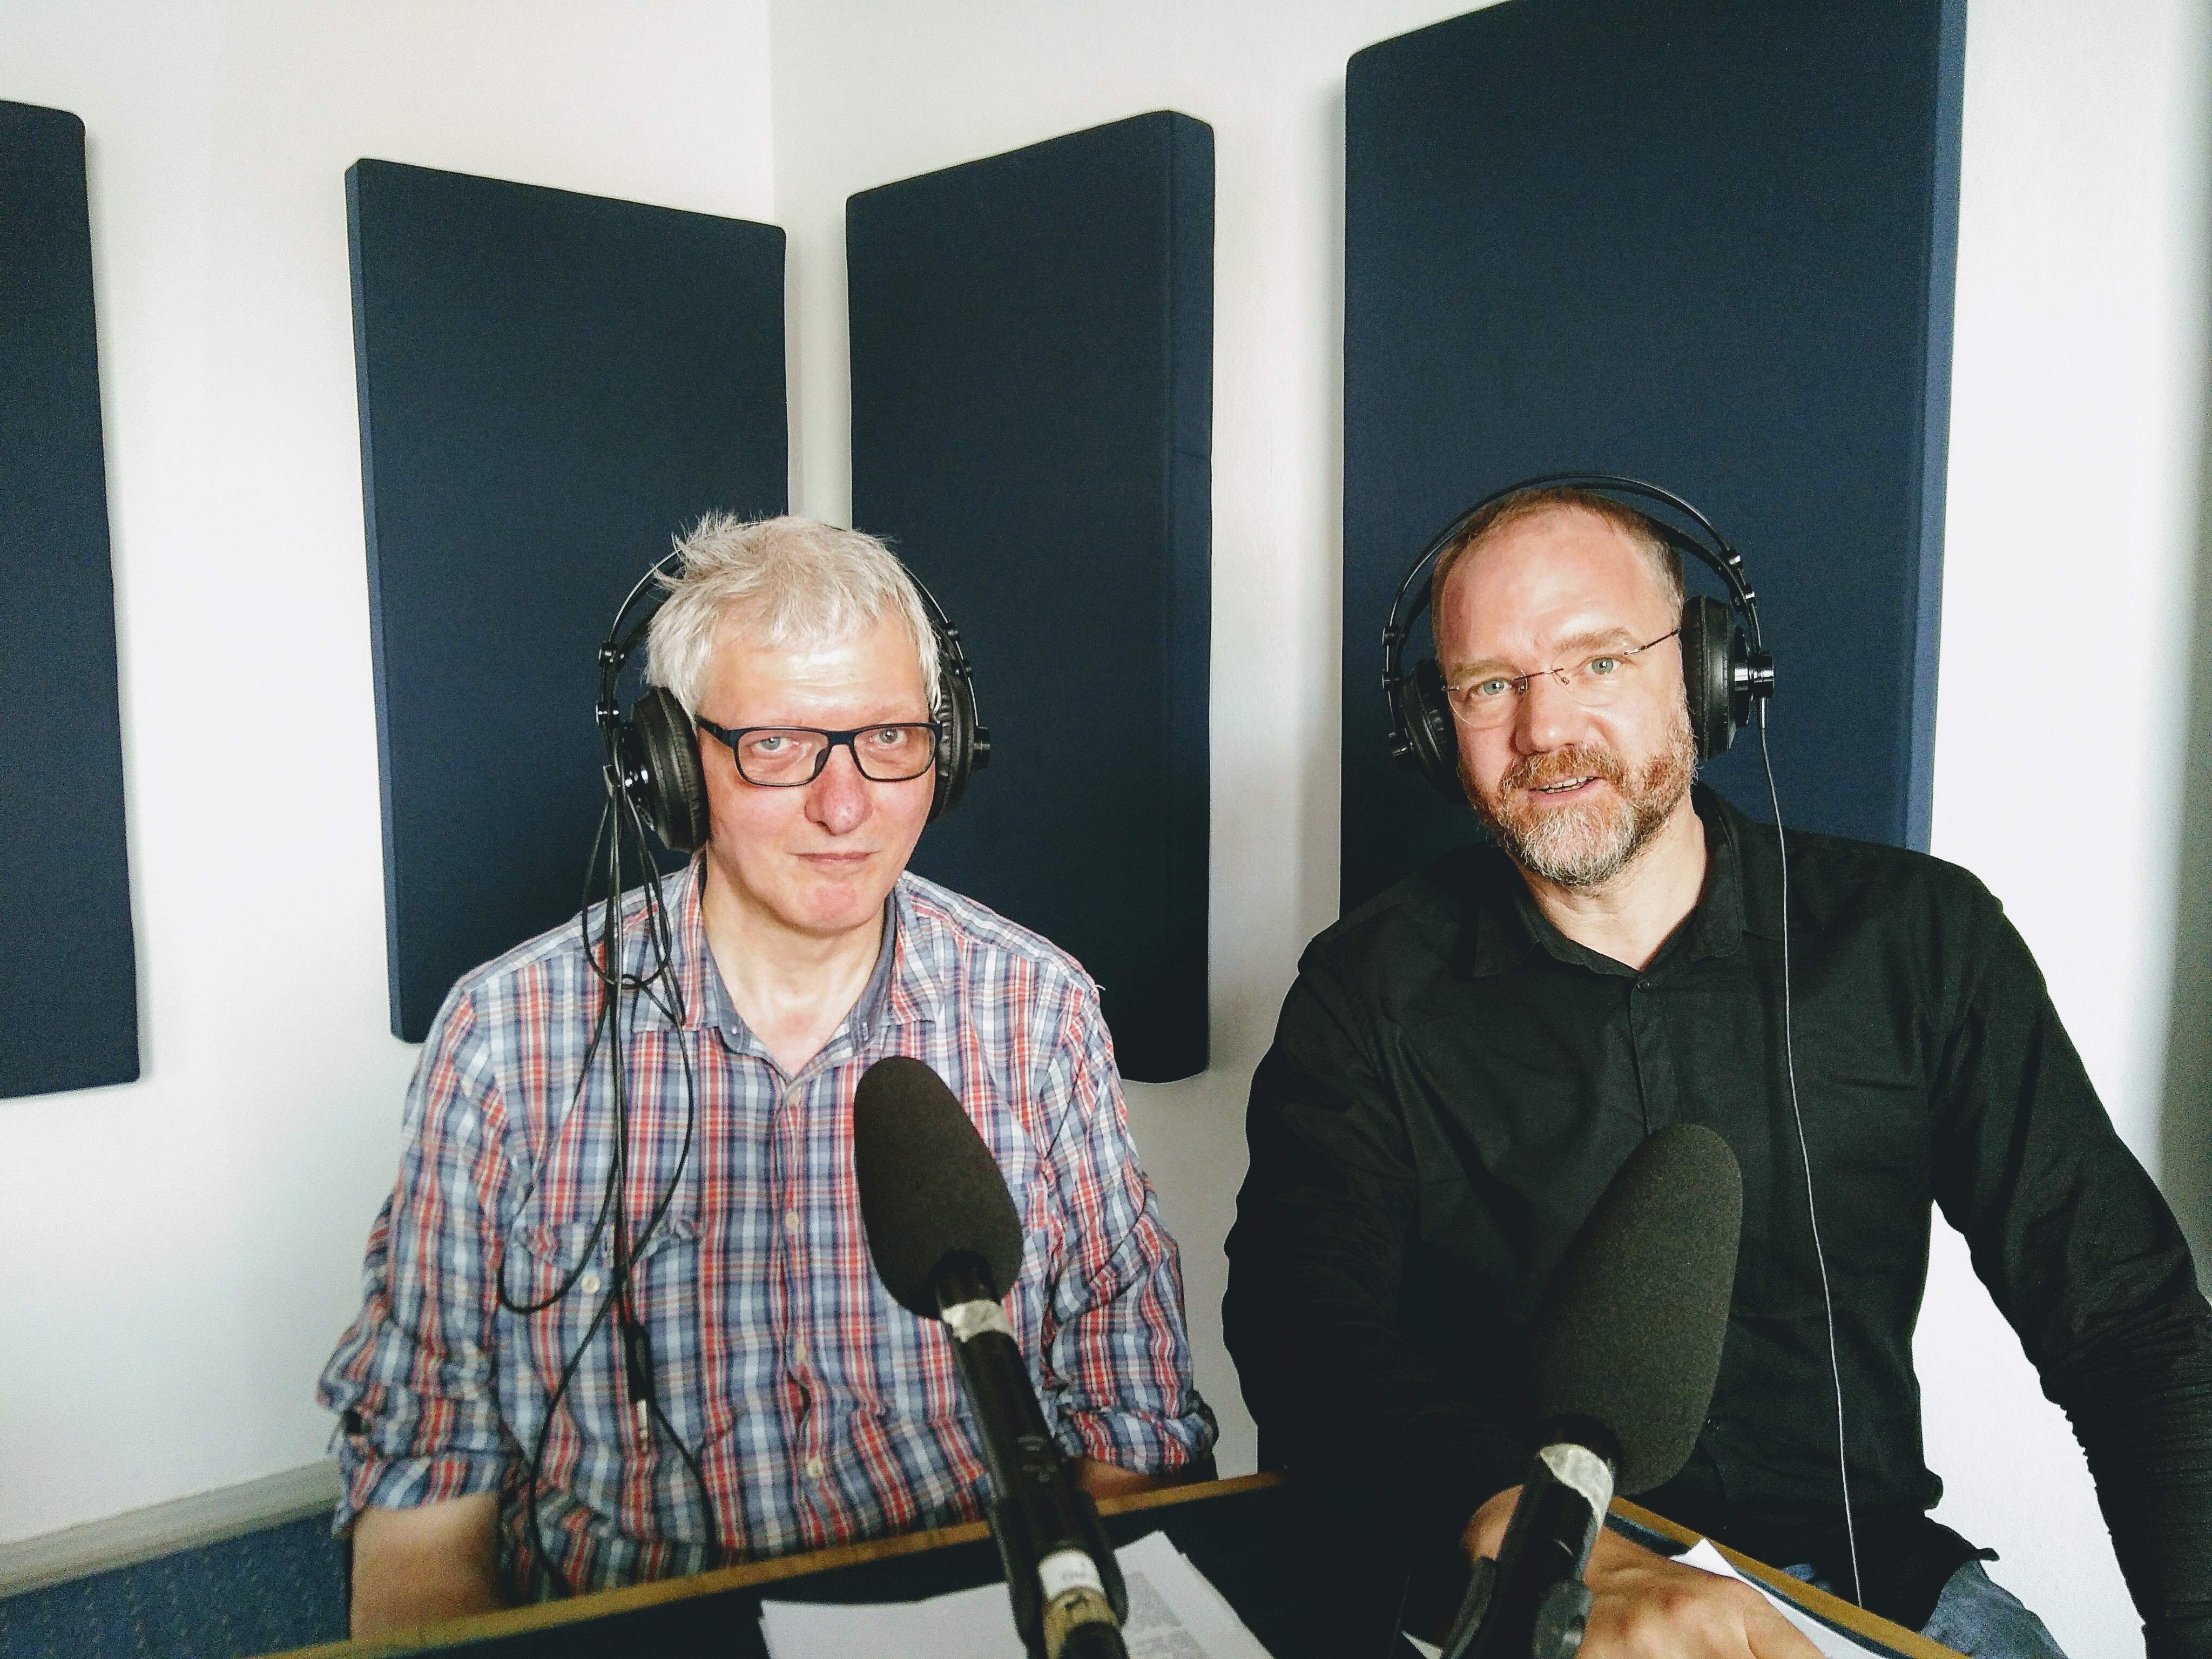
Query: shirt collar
(1502, 917)
(914, 984)
(1507, 925)
(899, 990)
(703, 1002)
(866, 1016)
(1715, 927)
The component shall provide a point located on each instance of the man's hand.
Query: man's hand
(1111, 1480)
(414, 1567)
(1645, 1606)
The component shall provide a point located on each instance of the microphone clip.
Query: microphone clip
(1531, 1603)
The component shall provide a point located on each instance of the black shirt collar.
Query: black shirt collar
(1507, 925)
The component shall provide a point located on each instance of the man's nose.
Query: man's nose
(1547, 718)
(838, 800)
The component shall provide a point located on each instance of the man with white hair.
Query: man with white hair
(518, 1415)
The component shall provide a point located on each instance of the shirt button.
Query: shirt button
(798, 1350)
(589, 1284)
(791, 1222)
(814, 1468)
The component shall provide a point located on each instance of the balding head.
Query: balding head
(1501, 516)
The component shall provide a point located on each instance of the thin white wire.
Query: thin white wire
(1805, 1160)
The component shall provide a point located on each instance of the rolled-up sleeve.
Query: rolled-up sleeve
(413, 1380)
(1116, 1360)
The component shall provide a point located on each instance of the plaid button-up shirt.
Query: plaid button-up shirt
(818, 1409)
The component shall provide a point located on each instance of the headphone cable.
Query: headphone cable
(1805, 1158)
(605, 964)
(660, 985)
(661, 988)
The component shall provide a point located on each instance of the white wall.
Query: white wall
(2073, 537)
(182, 1253)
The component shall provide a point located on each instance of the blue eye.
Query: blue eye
(1599, 667)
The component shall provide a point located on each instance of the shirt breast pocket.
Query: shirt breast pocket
(1866, 1140)
(558, 1278)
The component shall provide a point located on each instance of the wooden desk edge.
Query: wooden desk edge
(1833, 1608)
(749, 1575)
(745, 1574)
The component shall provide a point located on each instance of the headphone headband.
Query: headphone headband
(1721, 558)
(952, 655)
(653, 752)
(615, 651)
(1724, 670)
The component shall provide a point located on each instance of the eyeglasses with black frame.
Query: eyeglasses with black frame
(1594, 682)
(792, 756)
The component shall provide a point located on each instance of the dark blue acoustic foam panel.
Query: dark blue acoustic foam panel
(1032, 340)
(550, 386)
(68, 975)
(1711, 246)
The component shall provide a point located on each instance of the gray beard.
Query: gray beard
(1584, 847)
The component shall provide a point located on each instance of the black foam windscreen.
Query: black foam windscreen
(929, 1188)
(1632, 1325)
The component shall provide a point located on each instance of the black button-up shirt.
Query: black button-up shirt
(1454, 1082)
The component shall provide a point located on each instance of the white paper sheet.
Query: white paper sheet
(1832, 1643)
(1174, 1613)
(1829, 1640)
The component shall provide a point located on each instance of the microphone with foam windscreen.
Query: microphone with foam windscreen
(1621, 1366)
(947, 1244)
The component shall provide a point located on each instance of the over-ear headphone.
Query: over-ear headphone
(1725, 665)
(653, 752)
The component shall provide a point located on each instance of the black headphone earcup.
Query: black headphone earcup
(661, 762)
(1712, 649)
(965, 747)
(1426, 740)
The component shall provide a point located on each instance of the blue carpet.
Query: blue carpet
(281, 1587)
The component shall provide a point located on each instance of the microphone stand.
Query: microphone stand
(1068, 1597)
(1531, 1603)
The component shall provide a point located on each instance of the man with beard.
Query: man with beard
(1465, 1061)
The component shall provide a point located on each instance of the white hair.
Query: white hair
(785, 581)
